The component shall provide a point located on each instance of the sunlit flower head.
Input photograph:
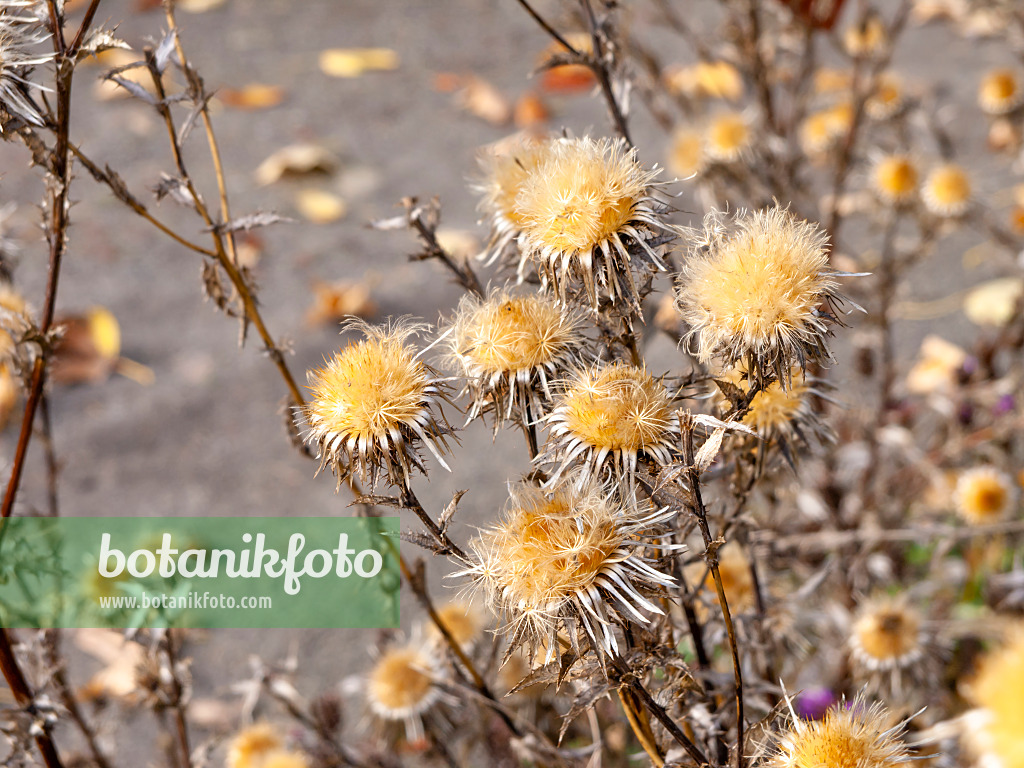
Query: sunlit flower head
(606, 417)
(866, 38)
(728, 136)
(737, 581)
(588, 216)
(947, 191)
(984, 495)
(464, 621)
(250, 746)
(509, 347)
(821, 130)
(759, 291)
(503, 176)
(372, 403)
(886, 99)
(403, 685)
(995, 729)
(22, 34)
(707, 79)
(937, 366)
(687, 156)
(285, 758)
(887, 636)
(574, 559)
(1000, 91)
(852, 735)
(782, 409)
(894, 179)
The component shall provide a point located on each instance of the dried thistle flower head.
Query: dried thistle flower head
(503, 177)
(778, 410)
(756, 293)
(947, 191)
(572, 559)
(20, 37)
(984, 495)
(285, 758)
(250, 746)
(509, 348)
(687, 156)
(994, 729)
(822, 129)
(372, 402)
(607, 416)
(887, 98)
(894, 179)
(1000, 92)
(728, 136)
(887, 634)
(463, 620)
(866, 38)
(848, 736)
(402, 685)
(588, 216)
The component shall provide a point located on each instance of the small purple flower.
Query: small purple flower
(1004, 404)
(965, 413)
(813, 703)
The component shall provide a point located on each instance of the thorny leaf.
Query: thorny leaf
(706, 454)
(594, 690)
(353, 62)
(253, 220)
(710, 423)
(373, 500)
(164, 51)
(213, 289)
(449, 511)
(734, 394)
(134, 89)
(98, 41)
(174, 188)
(422, 540)
(199, 105)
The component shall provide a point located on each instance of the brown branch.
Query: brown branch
(711, 558)
(24, 698)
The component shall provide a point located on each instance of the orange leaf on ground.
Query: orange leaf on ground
(252, 96)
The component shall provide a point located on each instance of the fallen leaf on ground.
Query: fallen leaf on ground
(121, 658)
(334, 301)
(319, 206)
(252, 96)
(530, 110)
(994, 302)
(198, 6)
(568, 78)
(353, 62)
(90, 351)
(484, 100)
(296, 160)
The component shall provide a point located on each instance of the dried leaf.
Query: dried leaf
(319, 206)
(994, 302)
(252, 96)
(174, 188)
(449, 511)
(334, 301)
(296, 160)
(198, 6)
(125, 66)
(253, 220)
(568, 78)
(353, 62)
(121, 657)
(530, 111)
(101, 40)
(707, 453)
(482, 99)
(164, 51)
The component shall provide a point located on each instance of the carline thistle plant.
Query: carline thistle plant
(373, 403)
(572, 560)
